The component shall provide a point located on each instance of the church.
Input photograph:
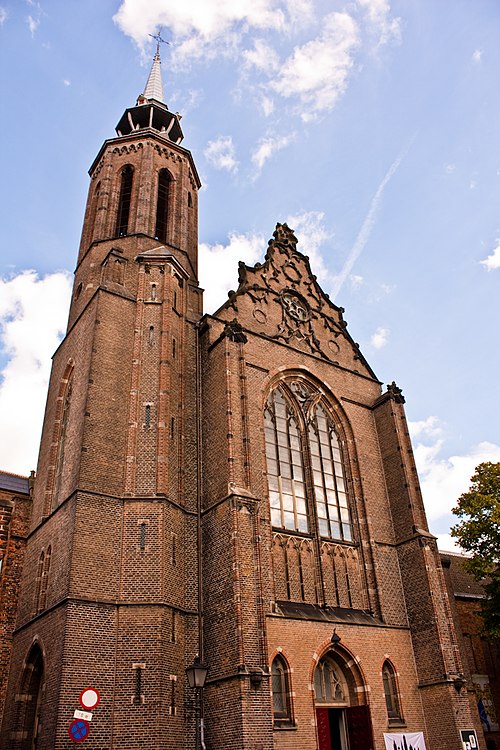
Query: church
(234, 491)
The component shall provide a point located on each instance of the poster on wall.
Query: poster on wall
(406, 741)
(469, 739)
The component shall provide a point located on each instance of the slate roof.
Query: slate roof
(14, 483)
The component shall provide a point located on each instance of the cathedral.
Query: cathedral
(234, 493)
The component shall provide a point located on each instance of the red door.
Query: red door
(359, 728)
(323, 721)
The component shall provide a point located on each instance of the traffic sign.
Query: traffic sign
(79, 730)
(89, 698)
(86, 715)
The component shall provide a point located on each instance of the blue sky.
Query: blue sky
(371, 126)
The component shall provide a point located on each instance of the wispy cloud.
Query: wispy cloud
(369, 222)
(477, 55)
(492, 262)
(379, 20)
(380, 338)
(221, 153)
(311, 233)
(33, 24)
(4, 14)
(267, 147)
(317, 72)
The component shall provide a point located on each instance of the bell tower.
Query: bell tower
(109, 596)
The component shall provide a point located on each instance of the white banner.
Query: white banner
(407, 741)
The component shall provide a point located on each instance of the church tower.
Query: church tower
(109, 596)
(236, 487)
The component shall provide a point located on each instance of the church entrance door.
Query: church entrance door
(344, 728)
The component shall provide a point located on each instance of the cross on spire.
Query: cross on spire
(159, 40)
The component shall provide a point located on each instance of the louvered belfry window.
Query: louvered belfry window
(305, 467)
(122, 217)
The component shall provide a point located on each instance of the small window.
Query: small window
(391, 694)
(282, 707)
(190, 200)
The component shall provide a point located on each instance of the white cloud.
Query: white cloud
(492, 262)
(267, 147)
(198, 27)
(477, 55)
(33, 24)
(4, 14)
(379, 21)
(221, 153)
(380, 338)
(262, 56)
(450, 168)
(33, 315)
(66, 82)
(267, 105)
(443, 479)
(317, 72)
(218, 265)
(311, 233)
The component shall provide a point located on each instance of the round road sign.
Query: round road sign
(78, 730)
(89, 698)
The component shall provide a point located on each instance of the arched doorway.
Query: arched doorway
(30, 701)
(343, 718)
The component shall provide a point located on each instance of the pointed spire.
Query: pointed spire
(154, 86)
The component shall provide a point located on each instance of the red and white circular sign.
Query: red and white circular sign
(89, 698)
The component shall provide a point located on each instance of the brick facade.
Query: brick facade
(154, 534)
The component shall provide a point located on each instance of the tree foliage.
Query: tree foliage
(478, 533)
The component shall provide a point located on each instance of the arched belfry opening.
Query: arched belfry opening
(342, 713)
(29, 702)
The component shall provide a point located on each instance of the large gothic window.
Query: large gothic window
(123, 213)
(162, 205)
(304, 463)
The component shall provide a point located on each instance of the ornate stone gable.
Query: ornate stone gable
(281, 299)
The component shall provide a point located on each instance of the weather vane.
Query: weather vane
(158, 39)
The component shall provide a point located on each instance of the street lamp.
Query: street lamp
(196, 675)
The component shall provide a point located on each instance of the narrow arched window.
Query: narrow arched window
(285, 468)
(45, 580)
(328, 477)
(123, 213)
(282, 705)
(162, 205)
(391, 694)
(62, 436)
(39, 576)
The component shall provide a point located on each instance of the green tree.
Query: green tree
(478, 533)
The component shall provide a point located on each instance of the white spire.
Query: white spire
(154, 86)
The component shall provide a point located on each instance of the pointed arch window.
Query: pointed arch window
(282, 704)
(162, 205)
(305, 464)
(123, 214)
(330, 685)
(391, 694)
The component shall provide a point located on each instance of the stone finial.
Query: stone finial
(395, 393)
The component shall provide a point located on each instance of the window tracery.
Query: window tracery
(305, 464)
(282, 706)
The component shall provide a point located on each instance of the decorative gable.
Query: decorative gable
(281, 299)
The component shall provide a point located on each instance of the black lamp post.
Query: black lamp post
(196, 675)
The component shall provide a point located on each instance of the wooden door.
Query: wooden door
(323, 722)
(359, 728)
